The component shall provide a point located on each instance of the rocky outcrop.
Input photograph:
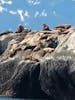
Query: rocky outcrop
(38, 64)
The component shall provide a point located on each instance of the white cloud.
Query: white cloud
(12, 12)
(20, 12)
(26, 14)
(34, 2)
(54, 12)
(27, 25)
(36, 14)
(2, 9)
(30, 1)
(43, 13)
(2, 2)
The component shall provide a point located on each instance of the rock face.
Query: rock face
(38, 64)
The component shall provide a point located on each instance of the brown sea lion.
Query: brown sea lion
(26, 31)
(64, 26)
(6, 32)
(19, 29)
(45, 27)
(32, 59)
(49, 50)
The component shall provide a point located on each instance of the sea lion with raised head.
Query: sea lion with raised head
(19, 29)
(45, 27)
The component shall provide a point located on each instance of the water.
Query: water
(10, 99)
(17, 99)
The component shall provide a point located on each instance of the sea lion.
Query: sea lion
(14, 51)
(45, 27)
(19, 29)
(6, 32)
(32, 58)
(64, 26)
(26, 31)
(29, 47)
(48, 50)
(22, 29)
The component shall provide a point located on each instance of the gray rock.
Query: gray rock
(0, 48)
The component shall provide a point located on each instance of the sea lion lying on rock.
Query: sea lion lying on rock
(14, 51)
(63, 29)
(49, 50)
(55, 31)
(6, 32)
(32, 59)
(26, 31)
(29, 47)
(64, 26)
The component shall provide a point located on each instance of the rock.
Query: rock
(56, 79)
(0, 48)
(4, 43)
(41, 53)
(37, 48)
(38, 65)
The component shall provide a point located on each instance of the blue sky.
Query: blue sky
(33, 13)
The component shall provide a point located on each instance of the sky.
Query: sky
(33, 13)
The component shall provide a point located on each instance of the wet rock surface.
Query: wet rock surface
(38, 64)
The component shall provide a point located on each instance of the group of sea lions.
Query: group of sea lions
(62, 29)
(46, 27)
(49, 48)
(21, 29)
